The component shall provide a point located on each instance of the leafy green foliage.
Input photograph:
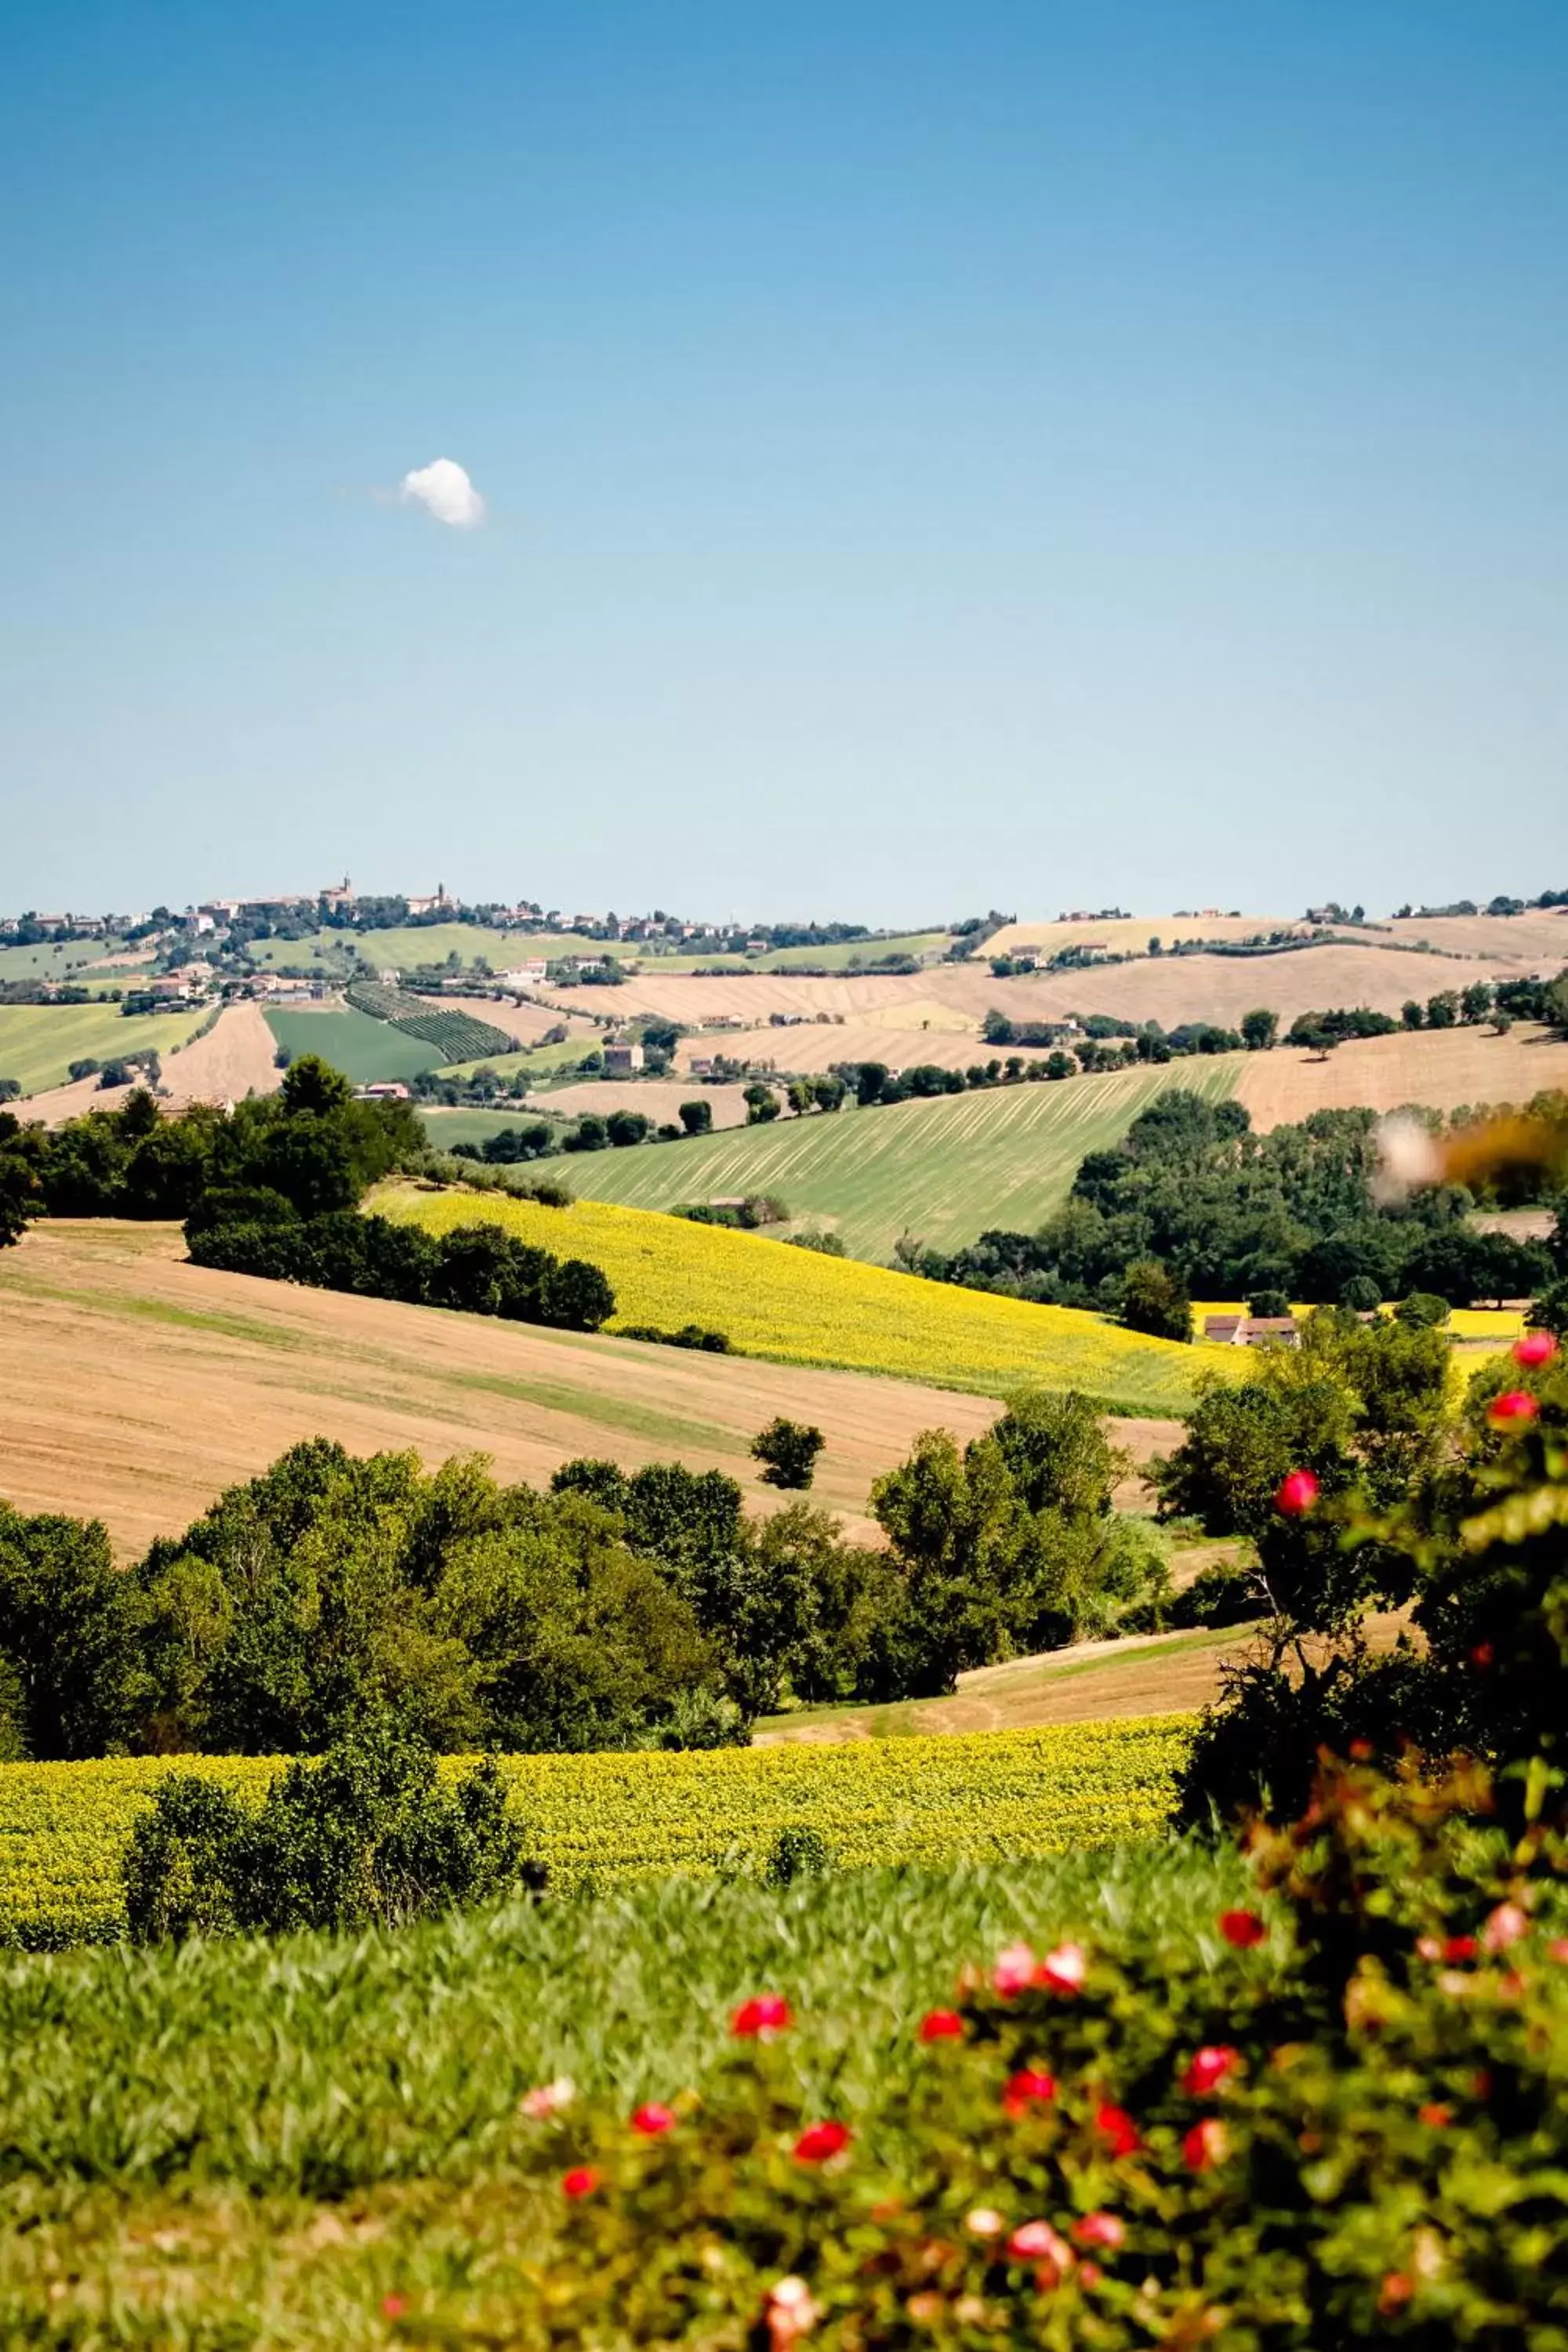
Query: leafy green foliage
(478, 1269)
(1465, 1517)
(476, 1615)
(70, 1683)
(787, 1451)
(364, 1837)
(1009, 1545)
(1227, 1214)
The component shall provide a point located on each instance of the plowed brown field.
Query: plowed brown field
(134, 1387)
(1442, 1068)
(953, 998)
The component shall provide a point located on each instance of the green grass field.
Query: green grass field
(944, 1168)
(364, 1050)
(38, 1043)
(538, 1061)
(412, 944)
(66, 960)
(446, 1128)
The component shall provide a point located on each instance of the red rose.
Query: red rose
(1295, 1493)
(653, 2120)
(1207, 2069)
(1063, 1970)
(1117, 2128)
(1100, 2229)
(764, 2013)
(1013, 1970)
(1242, 1928)
(1204, 2146)
(1515, 1409)
(1027, 2088)
(818, 2142)
(581, 2181)
(941, 2025)
(1036, 2242)
(1536, 1348)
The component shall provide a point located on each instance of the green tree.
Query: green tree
(787, 1451)
(68, 1631)
(1154, 1300)
(365, 1837)
(1259, 1029)
(762, 1104)
(696, 1118)
(955, 1528)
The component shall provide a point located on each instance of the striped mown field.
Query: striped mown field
(944, 1168)
(38, 1043)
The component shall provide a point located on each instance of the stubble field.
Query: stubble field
(133, 1388)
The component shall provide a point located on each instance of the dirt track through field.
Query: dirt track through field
(1147, 1674)
(134, 1387)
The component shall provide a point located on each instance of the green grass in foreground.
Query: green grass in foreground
(944, 1168)
(316, 2065)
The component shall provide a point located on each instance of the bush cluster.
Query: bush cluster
(613, 1611)
(477, 1268)
(1225, 1213)
(1337, 2121)
(310, 1145)
(365, 1836)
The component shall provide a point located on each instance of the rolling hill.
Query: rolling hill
(229, 1371)
(797, 1306)
(944, 1168)
(38, 1043)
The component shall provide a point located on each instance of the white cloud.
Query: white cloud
(443, 489)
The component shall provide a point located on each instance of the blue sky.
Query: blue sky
(934, 456)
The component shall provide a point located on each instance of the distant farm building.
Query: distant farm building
(1252, 1330)
(619, 1060)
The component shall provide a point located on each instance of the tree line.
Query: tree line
(1192, 1203)
(613, 1609)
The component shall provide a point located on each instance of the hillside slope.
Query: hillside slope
(797, 1306)
(944, 1168)
(229, 1371)
(1442, 1068)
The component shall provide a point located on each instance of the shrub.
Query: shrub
(799, 1851)
(787, 1451)
(1154, 1300)
(1333, 2119)
(363, 1836)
